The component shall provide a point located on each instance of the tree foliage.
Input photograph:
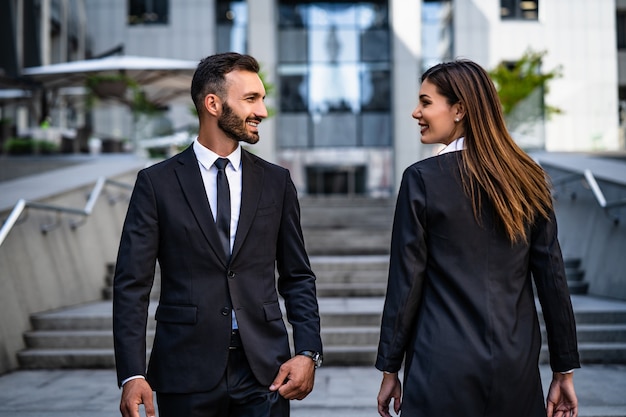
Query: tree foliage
(516, 81)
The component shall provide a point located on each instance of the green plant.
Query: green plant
(269, 90)
(116, 86)
(517, 81)
(45, 147)
(19, 146)
(26, 146)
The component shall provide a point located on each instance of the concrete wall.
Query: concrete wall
(63, 267)
(588, 232)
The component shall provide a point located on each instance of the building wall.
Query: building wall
(189, 34)
(579, 36)
(61, 268)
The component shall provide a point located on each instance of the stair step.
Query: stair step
(334, 355)
(597, 333)
(601, 333)
(578, 287)
(594, 353)
(575, 275)
(351, 289)
(350, 336)
(66, 358)
(336, 269)
(74, 339)
(597, 317)
(330, 212)
(81, 337)
(367, 241)
(572, 263)
(348, 355)
(357, 277)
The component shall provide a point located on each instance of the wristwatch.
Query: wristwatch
(316, 357)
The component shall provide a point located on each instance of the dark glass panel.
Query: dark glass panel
(293, 46)
(293, 93)
(334, 130)
(376, 91)
(293, 130)
(376, 129)
(375, 46)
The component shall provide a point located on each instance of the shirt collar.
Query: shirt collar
(455, 145)
(207, 157)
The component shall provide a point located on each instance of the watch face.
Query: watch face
(315, 356)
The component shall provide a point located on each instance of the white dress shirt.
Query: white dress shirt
(206, 160)
(455, 145)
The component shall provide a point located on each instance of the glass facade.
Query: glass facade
(437, 32)
(231, 25)
(334, 74)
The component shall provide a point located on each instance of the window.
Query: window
(148, 12)
(334, 74)
(232, 21)
(519, 9)
(621, 30)
(437, 32)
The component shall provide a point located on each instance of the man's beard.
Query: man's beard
(235, 127)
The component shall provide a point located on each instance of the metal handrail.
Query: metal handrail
(595, 189)
(22, 205)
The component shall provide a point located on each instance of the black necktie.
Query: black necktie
(223, 204)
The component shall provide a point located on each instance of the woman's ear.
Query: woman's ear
(212, 104)
(459, 110)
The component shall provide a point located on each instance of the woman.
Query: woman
(470, 226)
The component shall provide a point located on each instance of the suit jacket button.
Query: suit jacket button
(225, 311)
(231, 274)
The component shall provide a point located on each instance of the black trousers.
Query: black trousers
(238, 394)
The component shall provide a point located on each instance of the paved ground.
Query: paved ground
(339, 391)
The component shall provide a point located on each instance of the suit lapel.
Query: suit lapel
(251, 187)
(190, 181)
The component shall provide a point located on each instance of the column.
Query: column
(406, 46)
(262, 34)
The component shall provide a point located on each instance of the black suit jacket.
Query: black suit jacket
(169, 220)
(460, 302)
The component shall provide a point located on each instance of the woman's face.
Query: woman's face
(439, 122)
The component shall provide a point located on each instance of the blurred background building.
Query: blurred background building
(345, 73)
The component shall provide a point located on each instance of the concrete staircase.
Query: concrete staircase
(348, 240)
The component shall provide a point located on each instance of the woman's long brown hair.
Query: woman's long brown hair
(492, 161)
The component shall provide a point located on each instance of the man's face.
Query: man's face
(243, 107)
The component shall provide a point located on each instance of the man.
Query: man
(220, 221)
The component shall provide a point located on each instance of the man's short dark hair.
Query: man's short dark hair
(209, 77)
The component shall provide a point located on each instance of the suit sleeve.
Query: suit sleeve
(134, 276)
(296, 281)
(407, 266)
(546, 263)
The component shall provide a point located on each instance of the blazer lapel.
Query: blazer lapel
(251, 187)
(190, 181)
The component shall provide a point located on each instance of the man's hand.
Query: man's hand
(391, 387)
(562, 401)
(295, 378)
(135, 392)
